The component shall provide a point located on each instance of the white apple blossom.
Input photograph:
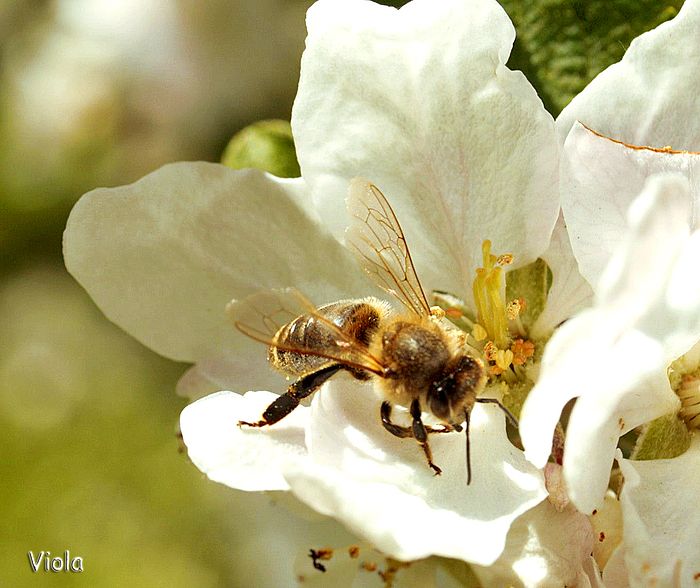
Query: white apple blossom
(420, 101)
(631, 358)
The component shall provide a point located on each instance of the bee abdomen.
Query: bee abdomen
(307, 334)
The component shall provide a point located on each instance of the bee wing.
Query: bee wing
(261, 315)
(376, 236)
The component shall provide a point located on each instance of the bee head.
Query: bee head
(453, 394)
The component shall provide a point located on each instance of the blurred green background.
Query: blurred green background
(98, 93)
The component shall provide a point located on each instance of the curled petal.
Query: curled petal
(600, 178)
(570, 292)
(614, 357)
(475, 160)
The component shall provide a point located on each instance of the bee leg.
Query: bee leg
(418, 430)
(421, 435)
(404, 432)
(396, 430)
(303, 387)
(509, 415)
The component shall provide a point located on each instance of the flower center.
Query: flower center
(689, 393)
(496, 333)
(684, 375)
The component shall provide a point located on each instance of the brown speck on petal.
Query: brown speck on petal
(369, 566)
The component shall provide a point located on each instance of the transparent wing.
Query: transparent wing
(376, 236)
(261, 316)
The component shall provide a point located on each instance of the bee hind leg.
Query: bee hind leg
(287, 402)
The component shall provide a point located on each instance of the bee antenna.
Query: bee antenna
(469, 455)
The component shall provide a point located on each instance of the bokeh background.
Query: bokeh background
(98, 93)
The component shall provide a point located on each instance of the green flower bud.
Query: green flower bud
(267, 145)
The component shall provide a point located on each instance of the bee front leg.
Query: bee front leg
(420, 433)
(396, 430)
(417, 430)
(303, 387)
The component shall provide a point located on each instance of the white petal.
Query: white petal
(661, 521)
(247, 369)
(163, 256)
(243, 458)
(419, 101)
(617, 391)
(614, 357)
(593, 577)
(544, 548)
(600, 179)
(570, 292)
(615, 572)
(650, 97)
(607, 529)
(382, 489)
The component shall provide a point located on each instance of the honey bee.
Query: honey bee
(416, 358)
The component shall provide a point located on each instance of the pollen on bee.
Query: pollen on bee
(437, 312)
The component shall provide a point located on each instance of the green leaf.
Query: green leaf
(564, 44)
(662, 438)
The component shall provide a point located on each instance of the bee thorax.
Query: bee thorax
(414, 354)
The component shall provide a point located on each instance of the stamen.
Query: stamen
(498, 309)
(522, 351)
(505, 259)
(689, 393)
(513, 309)
(479, 333)
(504, 358)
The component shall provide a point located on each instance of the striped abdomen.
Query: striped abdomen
(307, 334)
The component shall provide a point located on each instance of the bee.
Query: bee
(416, 358)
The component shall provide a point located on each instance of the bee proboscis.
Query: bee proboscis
(416, 358)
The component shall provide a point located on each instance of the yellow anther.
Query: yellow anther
(490, 351)
(505, 259)
(479, 333)
(502, 358)
(513, 309)
(522, 351)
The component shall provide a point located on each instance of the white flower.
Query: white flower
(640, 252)
(420, 101)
